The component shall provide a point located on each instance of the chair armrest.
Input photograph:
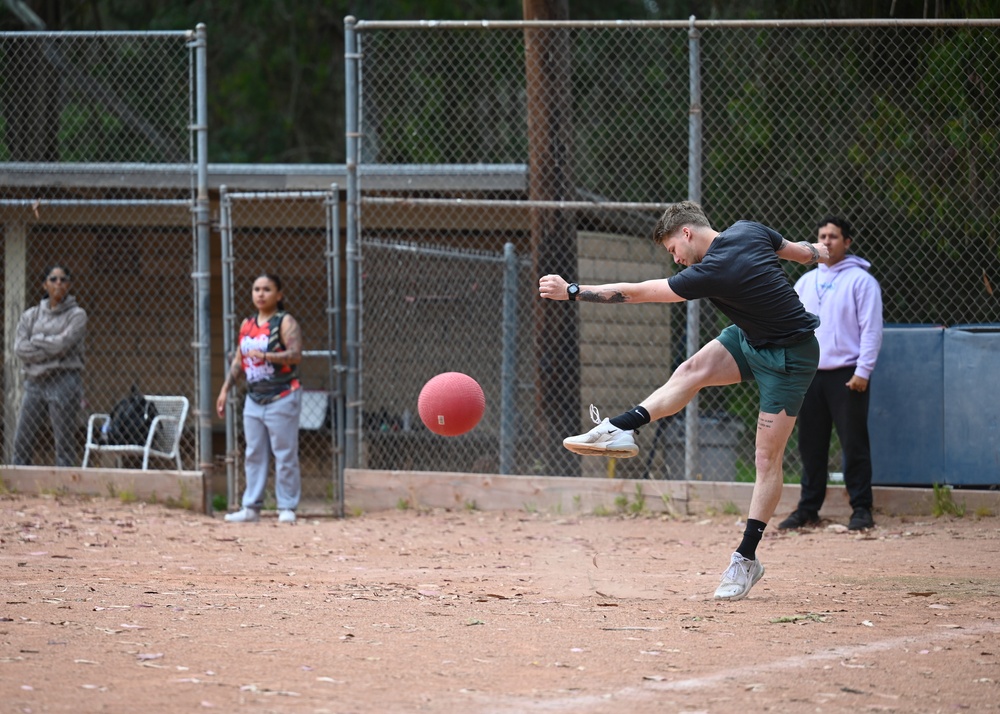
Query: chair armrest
(92, 421)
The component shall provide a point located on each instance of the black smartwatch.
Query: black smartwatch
(573, 290)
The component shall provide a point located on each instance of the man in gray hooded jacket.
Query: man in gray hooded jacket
(49, 343)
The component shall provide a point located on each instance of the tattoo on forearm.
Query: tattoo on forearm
(235, 368)
(813, 253)
(609, 297)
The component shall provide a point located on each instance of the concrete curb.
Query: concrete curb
(372, 490)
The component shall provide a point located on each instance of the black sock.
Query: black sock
(751, 537)
(631, 419)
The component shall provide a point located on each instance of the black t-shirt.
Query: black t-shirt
(742, 276)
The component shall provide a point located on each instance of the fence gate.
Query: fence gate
(295, 236)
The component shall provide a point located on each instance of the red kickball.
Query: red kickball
(451, 403)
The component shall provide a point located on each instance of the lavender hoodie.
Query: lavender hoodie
(848, 301)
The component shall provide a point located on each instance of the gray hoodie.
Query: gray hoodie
(49, 339)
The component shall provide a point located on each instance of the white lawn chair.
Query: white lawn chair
(163, 439)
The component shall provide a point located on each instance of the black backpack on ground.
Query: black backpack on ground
(130, 419)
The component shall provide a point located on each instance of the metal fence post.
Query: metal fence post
(336, 372)
(692, 460)
(353, 417)
(508, 370)
(203, 272)
(228, 317)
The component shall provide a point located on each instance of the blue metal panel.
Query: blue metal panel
(972, 405)
(906, 408)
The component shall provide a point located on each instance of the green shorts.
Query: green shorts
(784, 373)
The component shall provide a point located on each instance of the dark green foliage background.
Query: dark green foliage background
(276, 66)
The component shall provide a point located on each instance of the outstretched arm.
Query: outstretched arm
(804, 252)
(553, 287)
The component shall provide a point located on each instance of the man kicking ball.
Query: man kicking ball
(771, 341)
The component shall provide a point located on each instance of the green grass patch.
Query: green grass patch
(944, 504)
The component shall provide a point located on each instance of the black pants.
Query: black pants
(829, 403)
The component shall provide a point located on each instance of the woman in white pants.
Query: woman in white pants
(268, 355)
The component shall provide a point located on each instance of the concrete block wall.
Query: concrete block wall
(625, 350)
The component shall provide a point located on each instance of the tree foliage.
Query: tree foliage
(276, 66)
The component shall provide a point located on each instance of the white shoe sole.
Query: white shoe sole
(619, 452)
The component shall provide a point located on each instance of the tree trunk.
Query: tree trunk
(553, 232)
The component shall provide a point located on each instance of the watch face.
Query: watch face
(573, 289)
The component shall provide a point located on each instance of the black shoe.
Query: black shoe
(799, 519)
(861, 519)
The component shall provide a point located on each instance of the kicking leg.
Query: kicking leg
(712, 366)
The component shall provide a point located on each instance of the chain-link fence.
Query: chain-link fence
(83, 119)
(480, 157)
(591, 125)
(295, 236)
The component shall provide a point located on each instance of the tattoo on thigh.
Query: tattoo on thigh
(765, 421)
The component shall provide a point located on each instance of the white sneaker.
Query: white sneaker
(286, 516)
(741, 575)
(246, 515)
(605, 439)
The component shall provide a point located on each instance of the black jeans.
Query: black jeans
(829, 403)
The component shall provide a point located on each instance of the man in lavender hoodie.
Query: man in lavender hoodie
(848, 301)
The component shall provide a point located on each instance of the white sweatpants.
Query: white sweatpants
(273, 429)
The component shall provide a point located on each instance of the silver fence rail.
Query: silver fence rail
(891, 124)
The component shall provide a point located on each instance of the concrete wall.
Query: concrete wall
(369, 491)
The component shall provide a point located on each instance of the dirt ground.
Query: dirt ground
(112, 607)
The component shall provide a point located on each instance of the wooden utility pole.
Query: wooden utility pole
(548, 64)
